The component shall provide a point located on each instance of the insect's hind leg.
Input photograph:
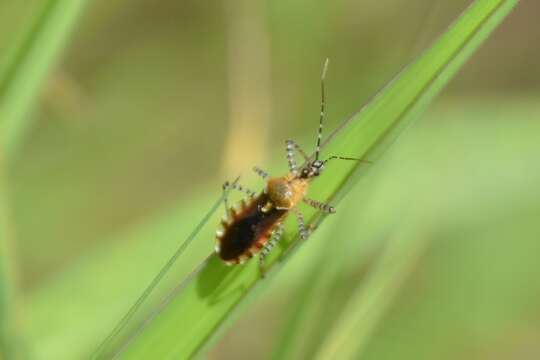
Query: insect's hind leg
(276, 236)
(227, 186)
(329, 209)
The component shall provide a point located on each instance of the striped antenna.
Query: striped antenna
(334, 157)
(321, 117)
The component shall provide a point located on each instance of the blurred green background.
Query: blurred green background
(154, 104)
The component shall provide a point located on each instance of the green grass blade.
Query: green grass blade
(306, 312)
(28, 66)
(108, 344)
(370, 301)
(20, 79)
(186, 325)
(8, 309)
(310, 301)
(137, 253)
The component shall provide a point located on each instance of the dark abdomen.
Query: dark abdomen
(250, 227)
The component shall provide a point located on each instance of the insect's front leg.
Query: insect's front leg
(298, 148)
(227, 186)
(291, 146)
(260, 172)
(276, 236)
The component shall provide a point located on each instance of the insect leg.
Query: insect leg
(299, 149)
(301, 224)
(260, 172)
(320, 206)
(276, 236)
(290, 158)
(227, 186)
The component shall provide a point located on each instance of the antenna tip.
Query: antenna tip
(325, 67)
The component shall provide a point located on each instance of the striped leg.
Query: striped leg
(291, 147)
(320, 206)
(227, 186)
(304, 234)
(260, 172)
(276, 236)
(299, 149)
(290, 158)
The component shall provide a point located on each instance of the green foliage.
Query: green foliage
(29, 65)
(206, 300)
(20, 80)
(401, 102)
(195, 312)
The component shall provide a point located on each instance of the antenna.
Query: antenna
(334, 157)
(321, 117)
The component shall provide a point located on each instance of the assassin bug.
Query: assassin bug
(255, 224)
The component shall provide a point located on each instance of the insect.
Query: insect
(255, 224)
